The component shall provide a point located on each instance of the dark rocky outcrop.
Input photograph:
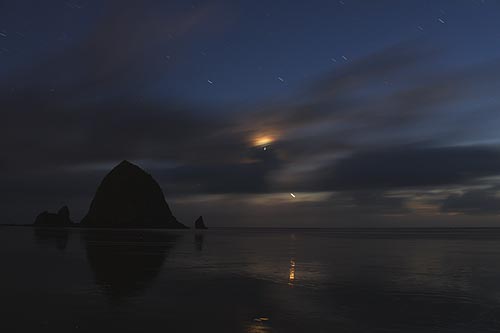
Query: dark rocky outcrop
(129, 197)
(199, 223)
(61, 219)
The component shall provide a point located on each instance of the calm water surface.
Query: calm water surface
(250, 280)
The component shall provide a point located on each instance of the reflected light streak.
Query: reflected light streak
(291, 274)
(258, 326)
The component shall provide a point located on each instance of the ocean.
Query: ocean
(250, 280)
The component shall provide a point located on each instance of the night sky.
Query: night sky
(256, 113)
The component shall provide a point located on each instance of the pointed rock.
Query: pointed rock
(199, 223)
(129, 197)
(61, 219)
(64, 212)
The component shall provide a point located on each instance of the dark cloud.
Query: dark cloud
(404, 167)
(473, 202)
(410, 167)
(378, 203)
(252, 176)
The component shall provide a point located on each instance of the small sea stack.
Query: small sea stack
(199, 223)
(61, 219)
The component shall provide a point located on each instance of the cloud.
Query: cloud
(390, 98)
(122, 49)
(476, 202)
(383, 122)
(252, 176)
(410, 167)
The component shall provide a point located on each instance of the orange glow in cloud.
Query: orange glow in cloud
(263, 140)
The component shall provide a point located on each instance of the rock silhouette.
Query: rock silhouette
(61, 219)
(199, 223)
(129, 197)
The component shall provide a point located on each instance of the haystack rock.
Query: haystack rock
(61, 219)
(199, 223)
(129, 197)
